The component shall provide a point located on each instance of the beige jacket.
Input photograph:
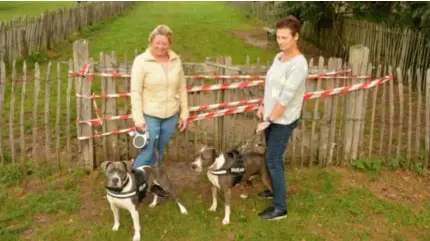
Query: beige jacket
(156, 93)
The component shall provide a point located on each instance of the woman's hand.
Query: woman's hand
(262, 126)
(260, 112)
(182, 124)
(141, 127)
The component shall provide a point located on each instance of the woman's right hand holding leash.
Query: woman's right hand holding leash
(141, 127)
(260, 112)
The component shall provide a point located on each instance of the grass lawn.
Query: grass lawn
(331, 204)
(201, 29)
(11, 9)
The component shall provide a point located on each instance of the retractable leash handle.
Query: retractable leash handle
(140, 138)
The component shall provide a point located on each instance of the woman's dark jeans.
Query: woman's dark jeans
(277, 137)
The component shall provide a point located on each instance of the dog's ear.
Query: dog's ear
(104, 165)
(128, 164)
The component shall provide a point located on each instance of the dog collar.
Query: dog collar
(140, 191)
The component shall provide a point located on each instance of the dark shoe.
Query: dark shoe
(272, 213)
(266, 211)
(266, 194)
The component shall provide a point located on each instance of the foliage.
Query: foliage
(368, 165)
(411, 14)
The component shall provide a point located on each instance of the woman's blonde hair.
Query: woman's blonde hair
(163, 30)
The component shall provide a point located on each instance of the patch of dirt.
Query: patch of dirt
(92, 197)
(401, 187)
(258, 38)
(181, 175)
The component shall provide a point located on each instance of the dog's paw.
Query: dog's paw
(244, 196)
(212, 208)
(183, 209)
(115, 227)
(152, 205)
(225, 221)
(136, 237)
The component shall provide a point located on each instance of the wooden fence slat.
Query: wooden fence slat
(364, 111)
(12, 113)
(58, 116)
(359, 61)
(382, 118)
(401, 112)
(103, 67)
(418, 119)
(111, 108)
(409, 150)
(391, 105)
(303, 122)
(427, 119)
(333, 114)
(3, 84)
(68, 114)
(340, 108)
(372, 121)
(35, 107)
(122, 86)
(21, 115)
(84, 106)
(132, 153)
(325, 144)
(315, 120)
(47, 98)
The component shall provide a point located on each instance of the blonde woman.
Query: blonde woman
(158, 93)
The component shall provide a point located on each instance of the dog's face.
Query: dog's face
(204, 158)
(116, 173)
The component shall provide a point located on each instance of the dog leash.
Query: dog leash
(245, 144)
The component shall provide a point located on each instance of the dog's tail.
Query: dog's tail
(157, 155)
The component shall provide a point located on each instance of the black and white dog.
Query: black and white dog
(127, 187)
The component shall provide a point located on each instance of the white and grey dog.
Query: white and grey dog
(127, 187)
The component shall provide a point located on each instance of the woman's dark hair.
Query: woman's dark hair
(289, 22)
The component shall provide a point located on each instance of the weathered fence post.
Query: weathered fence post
(83, 87)
(358, 61)
(427, 120)
(2, 91)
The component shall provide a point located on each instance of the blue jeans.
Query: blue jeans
(277, 137)
(157, 127)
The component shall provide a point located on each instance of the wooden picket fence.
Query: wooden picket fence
(23, 36)
(390, 122)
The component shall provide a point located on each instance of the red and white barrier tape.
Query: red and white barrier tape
(307, 96)
(209, 115)
(115, 132)
(360, 86)
(224, 105)
(240, 109)
(238, 85)
(96, 109)
(202, 77)
(98, 121)
(243, 84)
(104, 96)
(224, 112)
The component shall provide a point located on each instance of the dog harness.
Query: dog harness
(236, 169)
(140, 191)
